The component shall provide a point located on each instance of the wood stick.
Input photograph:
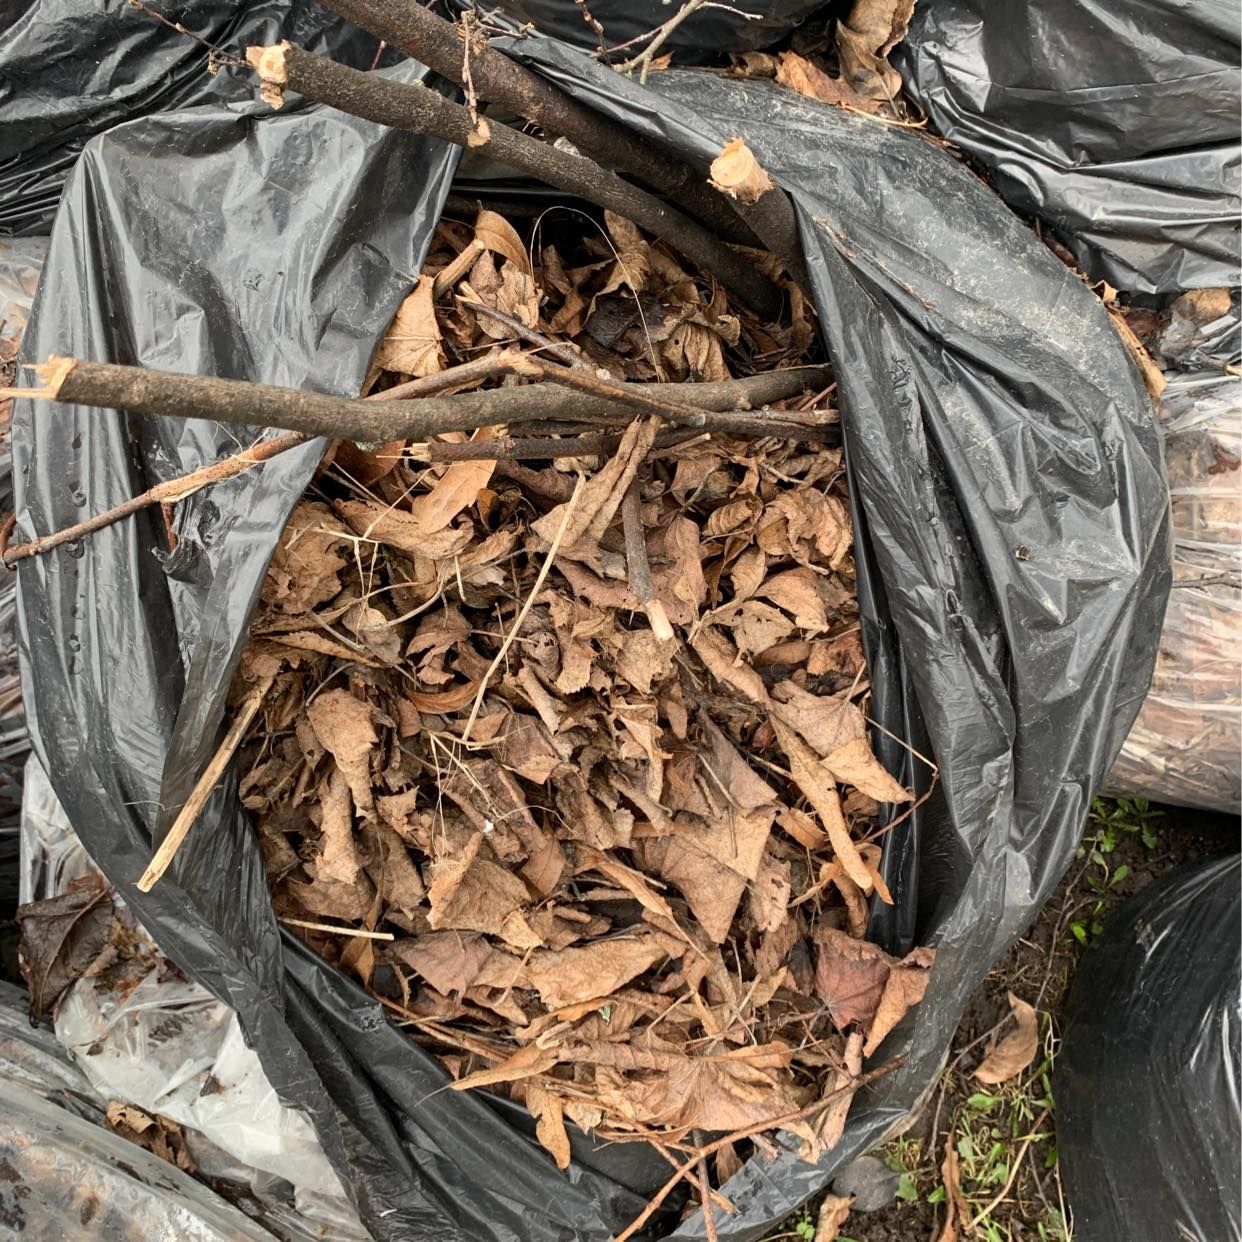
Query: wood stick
(638, 567)
(473, 372)
(418, 109)
(637, 395)
(543, 448)
(773, 1123)
(165, 394)
(337, 929)
(452, 272)
(437, 43)
(161, 494)
(561, 349)
(203, 788)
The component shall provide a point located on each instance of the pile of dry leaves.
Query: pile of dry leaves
(578, 745)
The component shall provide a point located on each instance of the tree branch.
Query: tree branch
(138, 390)
(417, 108)
(436, 43)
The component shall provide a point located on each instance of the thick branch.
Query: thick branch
(416, 108)
(437, 43)
(238, 402)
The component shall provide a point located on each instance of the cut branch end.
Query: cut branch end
(269, 64)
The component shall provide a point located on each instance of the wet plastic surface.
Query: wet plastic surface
(1149, 1121)
(1012, 543)
(1114, 123)
(73, 70)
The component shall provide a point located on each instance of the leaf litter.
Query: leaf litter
(625, 876)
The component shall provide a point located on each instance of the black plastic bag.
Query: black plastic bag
(1114, 123)
(1012, 546)
(711, 30)
(72, 69)
(1149, 1120)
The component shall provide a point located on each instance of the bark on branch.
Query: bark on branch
(437, 43)
(419, 109)
(138, 390)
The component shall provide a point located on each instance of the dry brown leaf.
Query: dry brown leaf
(1016, 1051)
(712, 890)
(344, 728)
(816, 786)
(849, 976)
(599, 969)
(400, 530)
(524, 1063)
(831, 1124)
(904, 988)
(549, 1111)
(827, 723)
(449, 960)
(725, 664)
(854, 764)
(832, 1214)
(799, 74)
(872, 30)
(736, 172)
(601, 497)
(769, 894)
(307, 563)
(795, 591)
(338, 858)
(469, 892)
(498, 235)
(756, 626)
(457, 489)
(411, 345)
(956, 1209)
(725, 1092)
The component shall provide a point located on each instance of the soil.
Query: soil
(1039, 968)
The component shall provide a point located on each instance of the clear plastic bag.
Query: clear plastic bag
(1186, 745)
(169, 1047)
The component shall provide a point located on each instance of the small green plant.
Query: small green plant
(905, 1157)
(805, 1227)
(1112, 822)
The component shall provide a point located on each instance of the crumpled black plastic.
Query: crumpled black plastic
(1149, 1122)
(1113, 121)
(72, 70)
(709, 31)
(1012, 542)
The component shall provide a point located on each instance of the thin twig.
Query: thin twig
(162, 493)
(561, 349)
(638, 567)
(705, 1196)
(543, 448)
(336, 929)
(489, 366)
(526, 607)
(203, 788)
